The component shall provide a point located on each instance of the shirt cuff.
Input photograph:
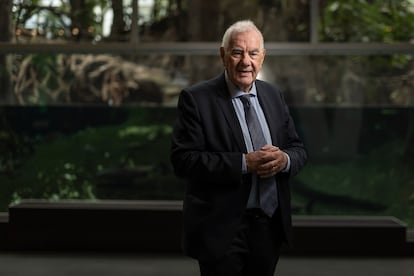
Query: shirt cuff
(287, 169)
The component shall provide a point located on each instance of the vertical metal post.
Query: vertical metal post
(6, 35)
(314, 21)
(134, 23)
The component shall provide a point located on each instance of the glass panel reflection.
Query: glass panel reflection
(157, 79)
(68, 136)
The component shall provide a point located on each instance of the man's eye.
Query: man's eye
(237, 53)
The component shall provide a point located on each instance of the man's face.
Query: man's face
(243, 59)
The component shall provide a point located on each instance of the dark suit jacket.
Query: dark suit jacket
(207, 148)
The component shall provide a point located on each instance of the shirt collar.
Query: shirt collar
(235, 91)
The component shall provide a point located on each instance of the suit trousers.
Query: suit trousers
(254, 250)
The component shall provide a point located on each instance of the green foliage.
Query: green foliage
(14, 149)
(371, 21)
(95, 162)
(381, 177)
(58, 21)
(367, 21)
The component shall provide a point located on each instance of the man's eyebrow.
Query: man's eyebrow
(249, 51)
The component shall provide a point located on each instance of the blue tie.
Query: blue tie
(267, 186)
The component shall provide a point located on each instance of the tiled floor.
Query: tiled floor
(59, 264)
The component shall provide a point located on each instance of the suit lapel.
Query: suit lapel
(268, 109)
(226, 106)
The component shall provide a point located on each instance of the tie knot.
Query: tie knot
(245, 100)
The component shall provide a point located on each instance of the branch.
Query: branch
(33, 9)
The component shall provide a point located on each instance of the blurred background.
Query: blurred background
(88, 91)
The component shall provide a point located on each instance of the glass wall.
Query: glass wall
(86, 108)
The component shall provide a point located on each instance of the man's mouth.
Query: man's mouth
(244, 72)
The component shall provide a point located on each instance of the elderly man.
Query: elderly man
(236, 145)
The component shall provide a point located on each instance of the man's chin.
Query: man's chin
(245, 82)
(245, 86)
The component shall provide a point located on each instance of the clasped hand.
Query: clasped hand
(266, 162)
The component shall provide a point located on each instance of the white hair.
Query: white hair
(240, 27)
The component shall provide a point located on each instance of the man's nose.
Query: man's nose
(246, 58)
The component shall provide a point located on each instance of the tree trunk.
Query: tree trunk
(80, 16)
(203, 28)
(118, 28)
(5, 36)
(203, 22)
(134, 37)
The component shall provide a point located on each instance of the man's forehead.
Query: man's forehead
(240, 41)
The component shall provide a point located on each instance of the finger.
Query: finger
(271, 164)
(267, 172)
(269, 148)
